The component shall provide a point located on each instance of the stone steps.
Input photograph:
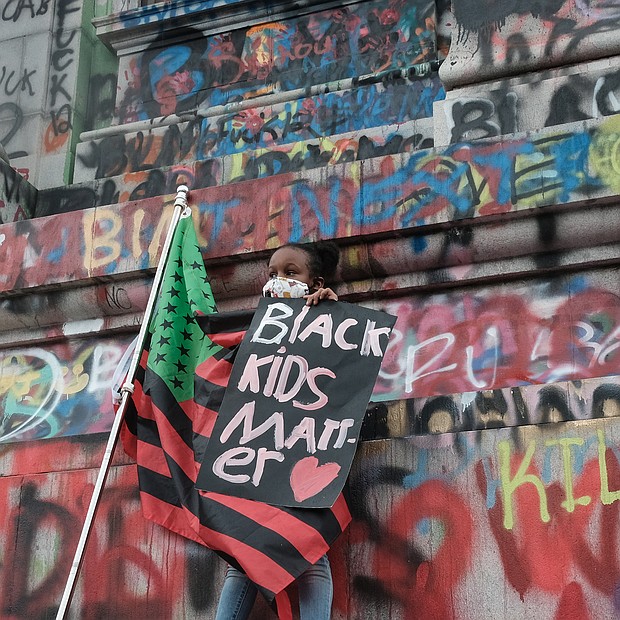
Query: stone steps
(295, 157)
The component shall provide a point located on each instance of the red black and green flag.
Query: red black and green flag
(178, 388)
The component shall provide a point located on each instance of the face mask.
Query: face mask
(285, 287)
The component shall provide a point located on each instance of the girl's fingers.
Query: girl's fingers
(317, 296)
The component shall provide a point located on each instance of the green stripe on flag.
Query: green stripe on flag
(178, 345)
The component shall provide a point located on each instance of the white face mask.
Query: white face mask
(285, 287)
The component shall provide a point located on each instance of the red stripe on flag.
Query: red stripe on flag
(227, 339)
(179, 520)
(307, 540)
(203, 418)
(214, 370)
(340, 509)
(260, 568)
(204, 425)
(142, 402)
(283, 603)
(153, 458)
(174, 446)
(171, 517)
(129, 441)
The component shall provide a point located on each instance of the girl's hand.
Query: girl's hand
(323, 293)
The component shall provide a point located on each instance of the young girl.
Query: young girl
(295, 270)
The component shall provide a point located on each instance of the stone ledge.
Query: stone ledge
(370, 271)
(436, 419)
(18, 197)
(131, 31)
(392, 196)
(527, 102)
(500, 42)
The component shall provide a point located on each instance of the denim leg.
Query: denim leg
(237, 597)
(316, 591)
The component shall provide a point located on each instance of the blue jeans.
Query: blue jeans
(315, 594)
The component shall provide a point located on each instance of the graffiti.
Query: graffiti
(145, 184)
(580, 98)
(391, 193)
(26, 521)
(607, 95)
(101, 101)
(485, 341)
(323, 47)
(311, 118)
(13, 113)
(605, 150)
(523, 106)
(539, 510)
(63, 56)
(263, 163)
(46, 392)
(201, 142)
(507, 395)
(582, 498)
(432, 502)
(495, 38)
(482, 118)
(169, 10)
(14, 9)
(552, 491)
(116, 556)
(116, 297)
(17, 196)
(322, 116)
(494, 15)
(509, 407)
(65, 199)
(12, 83)
(60, 390)
(564, 19)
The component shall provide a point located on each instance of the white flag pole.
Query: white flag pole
(180, 204)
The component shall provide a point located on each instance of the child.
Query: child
(307, 264)
(295, 270)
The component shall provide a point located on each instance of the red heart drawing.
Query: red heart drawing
(309, 478)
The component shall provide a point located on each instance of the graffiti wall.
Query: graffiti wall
(529, 102)
(536, 332)
(495, 39)
(390, 193)
(533, 509)
(456, 360)
(59, 390)
(23, 86)
(522, 508)
(351, 41)
(134, 13)
(17, 196)
(478, 204)
(306, 132)
(112, 155)
(43, 105)
(131, 570)
(553, 403)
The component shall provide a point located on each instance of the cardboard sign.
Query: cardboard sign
(290, 419)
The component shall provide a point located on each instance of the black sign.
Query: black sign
(290, 419)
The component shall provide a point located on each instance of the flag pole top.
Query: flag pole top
(181, 198)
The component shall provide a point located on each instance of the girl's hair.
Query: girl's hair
(323, 257)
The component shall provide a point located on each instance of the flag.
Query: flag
(178, 388)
